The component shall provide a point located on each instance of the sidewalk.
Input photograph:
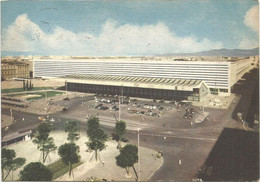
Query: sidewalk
(109, 171)
(200, 117)
(210, 101)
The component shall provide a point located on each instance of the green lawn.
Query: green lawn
(58, 168)
(21, 89)
(43, 94)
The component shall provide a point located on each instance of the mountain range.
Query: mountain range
(215, 52)
(220, 52)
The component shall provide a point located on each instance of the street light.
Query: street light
(122, 93)
(11, 115)
(119, 107)
(138, 145)
(203, 101)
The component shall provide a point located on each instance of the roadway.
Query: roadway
(191, 146)
(184, 149)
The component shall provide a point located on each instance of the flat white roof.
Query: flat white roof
(142, 82)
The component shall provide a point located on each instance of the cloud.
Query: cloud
(248, 43)
(252, 18)
(114, 40)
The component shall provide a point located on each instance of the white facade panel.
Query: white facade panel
(215, 74)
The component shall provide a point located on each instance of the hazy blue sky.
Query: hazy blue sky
(117, 28)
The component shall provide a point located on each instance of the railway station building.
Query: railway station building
(136, 77)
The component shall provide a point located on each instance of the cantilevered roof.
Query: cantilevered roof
(141, 82)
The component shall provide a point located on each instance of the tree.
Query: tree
(120, 131)
(97, 136)
(73, 131)
(44, 143)
(127, 158)
(35, 171)
(9, 162)
(27, 85)
(23, 85)
(92, 124)
(69, 154)
(30, 88)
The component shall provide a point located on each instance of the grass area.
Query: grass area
(21, 89)
(43, 94)
(58, 168)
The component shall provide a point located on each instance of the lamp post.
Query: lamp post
(119, 107)
(215, 89)
(139, 161)
(203, 101)
(11, 115)
(122, 90)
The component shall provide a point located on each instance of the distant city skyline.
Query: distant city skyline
(127, 28)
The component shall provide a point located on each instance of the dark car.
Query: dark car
(115, 108)
(125, 140)
(98, 106)
(115, 137)
(66, 98)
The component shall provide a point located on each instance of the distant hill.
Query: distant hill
(220, 52)
(215, 52)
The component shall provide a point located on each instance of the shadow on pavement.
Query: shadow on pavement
(235, 157)
(249, 91)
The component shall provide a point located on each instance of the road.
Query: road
(191, 145)
(184, 149)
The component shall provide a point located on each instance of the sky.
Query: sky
(127, 28)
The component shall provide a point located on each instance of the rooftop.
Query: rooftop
(142, 82)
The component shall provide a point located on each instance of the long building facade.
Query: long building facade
(219, 77)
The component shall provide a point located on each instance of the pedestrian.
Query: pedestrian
(179, 161)
(164, 138)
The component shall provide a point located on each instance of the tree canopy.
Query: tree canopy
(73, 131)
(69, 154)
(120, 129)
(97, 137)
(92, 126)
(128, 157)
(43, 130)
(35, 171)
(44, 143)
(9, 162)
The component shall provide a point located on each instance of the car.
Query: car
(66, 98)
(104, 108)
(115, 137)
(98, 106)
(115, 108)
(125, 140)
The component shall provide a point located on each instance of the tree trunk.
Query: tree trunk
(27, 85)
(119, 144)
(137, 177)
(7, 175)
(70, 169)
(96, 154)
(127, 171)
(43, 155)
(2, 173)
